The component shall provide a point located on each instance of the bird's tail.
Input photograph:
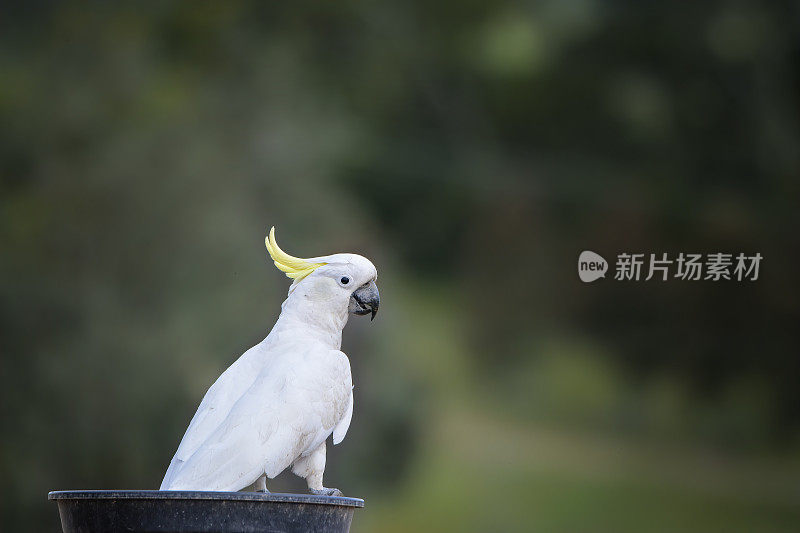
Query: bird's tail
(172, 472)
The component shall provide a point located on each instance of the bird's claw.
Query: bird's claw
(324, 491)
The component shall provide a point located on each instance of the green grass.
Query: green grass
(479, 475)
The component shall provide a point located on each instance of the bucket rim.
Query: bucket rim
(203, 495)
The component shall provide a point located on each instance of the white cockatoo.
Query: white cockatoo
(279, 402)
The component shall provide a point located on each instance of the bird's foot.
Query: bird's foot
(261, 485)
(324, 491)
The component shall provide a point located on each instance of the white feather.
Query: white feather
(279, 401)
(344, 424)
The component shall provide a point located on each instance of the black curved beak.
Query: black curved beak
(365, 300)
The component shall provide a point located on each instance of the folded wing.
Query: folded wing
(293, 404)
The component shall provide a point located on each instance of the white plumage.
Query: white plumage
(279, 402)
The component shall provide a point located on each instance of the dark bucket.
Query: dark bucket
(107, 511)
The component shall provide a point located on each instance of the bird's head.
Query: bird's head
(341, 282)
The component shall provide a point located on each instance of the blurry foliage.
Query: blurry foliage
(471, 150)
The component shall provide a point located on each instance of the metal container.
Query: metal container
(108, 511)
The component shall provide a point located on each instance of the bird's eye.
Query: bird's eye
(345, 280)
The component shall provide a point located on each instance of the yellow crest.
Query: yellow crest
(294, 267)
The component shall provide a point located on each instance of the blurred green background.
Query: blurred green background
(472, 150)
